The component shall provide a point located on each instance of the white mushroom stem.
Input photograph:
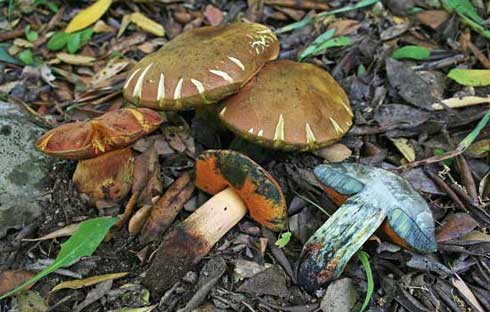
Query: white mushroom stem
(216, 217)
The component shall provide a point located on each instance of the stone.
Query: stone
(23, 169)
(341, 296)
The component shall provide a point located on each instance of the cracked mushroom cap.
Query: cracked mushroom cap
(111, 131)
(291, 106)
(219, 169)
(201, 66)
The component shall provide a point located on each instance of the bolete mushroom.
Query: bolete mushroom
(201, 66)
(291, 106)
(111, 131)
(107, 177)
(370, 197)
(239, 184)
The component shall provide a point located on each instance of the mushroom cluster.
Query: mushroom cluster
(288, 106)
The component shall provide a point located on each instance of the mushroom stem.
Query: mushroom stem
(185, 245)
(217, 216)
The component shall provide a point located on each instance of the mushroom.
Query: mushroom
(238, 184)
(111, 131)
(370, 197)
(291, 106)
(201, 66)
(107, 177)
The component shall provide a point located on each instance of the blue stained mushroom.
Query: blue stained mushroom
(374, 195)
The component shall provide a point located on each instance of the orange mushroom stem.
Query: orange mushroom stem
(239, 184)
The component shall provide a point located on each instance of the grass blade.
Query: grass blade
(364, 257)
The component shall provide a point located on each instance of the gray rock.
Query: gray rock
(341, 296)
(23, 170)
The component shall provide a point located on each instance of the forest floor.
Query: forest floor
(411, 116)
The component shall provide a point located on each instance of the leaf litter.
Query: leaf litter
(417, 78)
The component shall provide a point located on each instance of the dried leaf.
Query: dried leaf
(138, 220)
(65, 231)
(480, 148)
(76, 284)
(112, 68)
(334, 153)
(459, 102)
(88, 16)
(11, 279)
(466, 292)
(455, 226)
(147, 24)
(75, 59)
(213, 15)
(405, 148)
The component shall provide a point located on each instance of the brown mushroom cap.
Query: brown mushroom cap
(201, 66)
(218, 169)
(289, 105)
(86, 139)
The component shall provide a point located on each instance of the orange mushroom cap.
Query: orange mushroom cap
(219, 169)
(201, 66)
(87, 139)
(291, 106)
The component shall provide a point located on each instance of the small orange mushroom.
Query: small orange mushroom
(111, 131)
(107, 177)
(201, 66)
(239, 184)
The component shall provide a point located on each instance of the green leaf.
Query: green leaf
(470, 138)
(81, 244)
(333, 43)
(7, 58)
(471, 77)
(314, 45)
(411, 52)
(52, 6)
(31, 35)
(57, 41)
(74, 42)
(26, 57)
(358, 5)
(283, 240)
(364, 257)
(309, 20)
(465, 8)
(85, 36)
(438, 152)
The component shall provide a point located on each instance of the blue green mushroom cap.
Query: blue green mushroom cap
(374, 195)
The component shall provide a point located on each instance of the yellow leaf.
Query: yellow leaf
(405, 148)
(147, 24)
(76, 284)
(88, 16)
(75, 59)
(458, 102)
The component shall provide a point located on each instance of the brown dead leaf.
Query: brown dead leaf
(334, 153)
(344, 27)
(76, 284)
(466, 292)
(75, 59)
(213, 15)
(455, 226)
(11, 279)
(432, 18)
(65, 231)
(112, 68)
